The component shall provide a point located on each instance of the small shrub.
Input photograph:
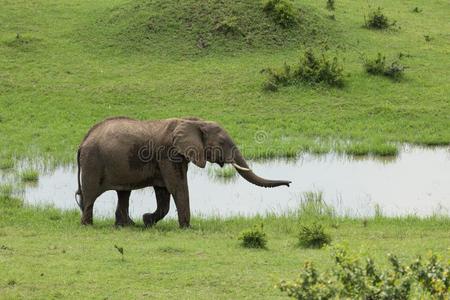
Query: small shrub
(283, 12)
(29, 176)
(253, 238)
(427, 38)
(330, 5)
(317, 70)
(12, 282)
(351, 279)
(378, 20)
(313, 236)
(379, 66)
(312, 70)
(229, 25)
(394, 70)
(433, 276)
(417, 10)
(310, 285)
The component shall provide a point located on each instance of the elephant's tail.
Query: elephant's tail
(79, 192)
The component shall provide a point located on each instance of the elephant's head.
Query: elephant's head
(201, 141)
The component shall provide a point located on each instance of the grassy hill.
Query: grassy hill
(179, 29)
(68, 64)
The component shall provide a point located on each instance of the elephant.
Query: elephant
(125, 154)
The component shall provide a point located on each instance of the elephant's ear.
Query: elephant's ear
(188, 141)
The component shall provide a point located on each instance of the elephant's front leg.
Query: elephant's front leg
(181, 197)
(123, 203)
(175, 179)
(163, 205)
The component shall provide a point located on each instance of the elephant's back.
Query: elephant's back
(98, 129)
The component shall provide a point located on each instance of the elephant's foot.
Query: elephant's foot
(86, 221)
(127, 221)
(185, 225)
(149, 219)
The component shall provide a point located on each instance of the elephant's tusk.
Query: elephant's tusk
(240, 168)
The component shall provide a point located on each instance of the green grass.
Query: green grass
(66, 65)
(45, 253)
(226, 172)
(29, 176)
(77, 62)
(6, 164)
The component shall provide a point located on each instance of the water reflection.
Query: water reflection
(417, 181)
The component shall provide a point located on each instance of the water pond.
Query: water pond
(417, 181)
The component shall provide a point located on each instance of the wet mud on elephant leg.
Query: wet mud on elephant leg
(122, 213)
(163, 205)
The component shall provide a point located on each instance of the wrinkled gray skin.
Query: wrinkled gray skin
(114, 155)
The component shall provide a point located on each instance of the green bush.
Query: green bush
(331, 5)
(378, 20)
(351, 279)
(313, 236)
(312, 70)
(379, 66)
(283, 12)
(253, 238)
(310, 285)
(433, 276)
(229, 25)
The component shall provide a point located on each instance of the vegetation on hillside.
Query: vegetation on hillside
(68, 65)
(190, 27)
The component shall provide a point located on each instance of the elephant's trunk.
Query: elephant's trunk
(243, 169)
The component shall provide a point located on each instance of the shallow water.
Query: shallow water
(417, 181)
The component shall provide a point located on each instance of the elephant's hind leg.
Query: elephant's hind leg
(122, 214)
(163, 205)
(88, 207)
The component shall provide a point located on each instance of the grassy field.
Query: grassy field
(45, 253)
(66, 65)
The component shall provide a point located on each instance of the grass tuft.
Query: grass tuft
(6, 190)
(379, 66)
(253, 238)
(378, 20)
(6, 164)
(312, 69)
(331, 5)
(283, 12)
(226, 172)
(31, 176)
(313, 236)
(313, 208)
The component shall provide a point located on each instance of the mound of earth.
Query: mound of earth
(192, 26)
